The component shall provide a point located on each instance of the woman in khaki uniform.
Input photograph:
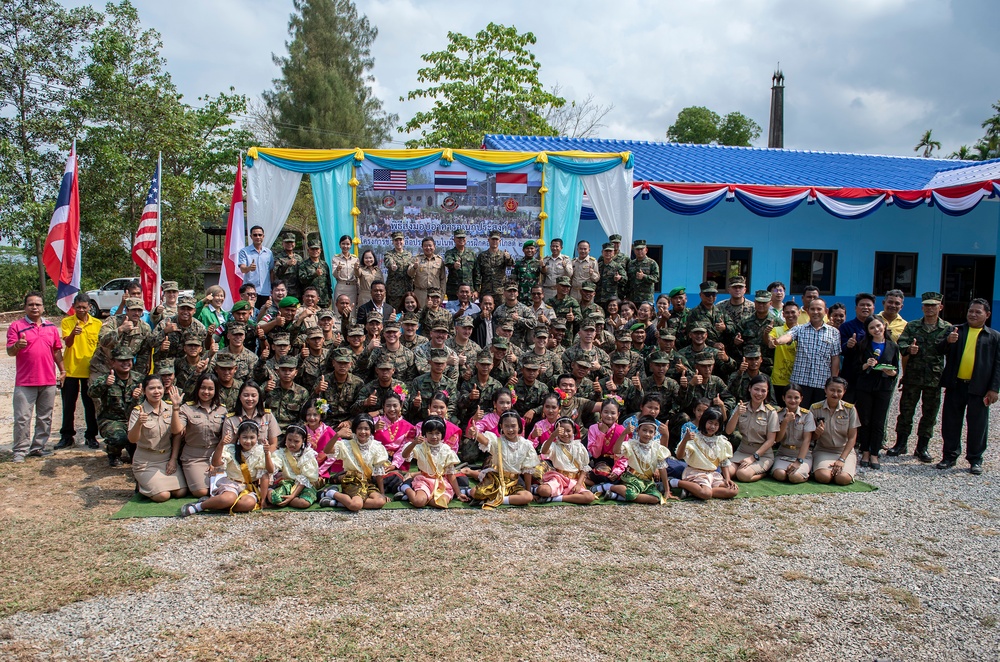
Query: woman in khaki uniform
(758, 424)
(250, 407)
(149, 430)
(345, 270)
(837, 423)
(368, 272)
(197, 427)
(427, 271)
(793, 459)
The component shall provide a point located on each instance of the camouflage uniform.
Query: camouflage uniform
(574, 353)
(707, 317)
(286, 404)
(316, 274)
(636, 364)
(585, 389)
(677, 325)
(502, 371)
(380, 395)
(739, 388)
(340, 398)
(138, 341)
(229, 395)
(564, 306)
(286, 269)
(422, 355)
(669, 390)
(607, 286)
(642, 290)
(755, 331)
(397, 282)
(246, 361)
(184, 373)
(466, 407)
(523, 326)
(470, 352)
(723, 369)
(310, 370)
(117, 403)
(605, 340)
(737, 316)
(526, 273)
(177, 338)
(266, 370)
(403, 360)
(490, 273)
(551, 365)
(529, 397)
(462, 275)
(437, 316)
(412, 345)
(426, 387)
(622, 259)
(589, 311)
(921, 379)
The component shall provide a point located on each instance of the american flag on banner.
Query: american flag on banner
(146, 247)
(384, 179)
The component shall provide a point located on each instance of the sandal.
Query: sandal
(874, 464)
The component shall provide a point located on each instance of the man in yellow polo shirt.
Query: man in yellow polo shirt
(892, 303)
(971, 380)
(79, 333)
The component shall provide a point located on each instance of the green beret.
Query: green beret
(239, 305)
(677, 290)
(530, 242)
(288, 302)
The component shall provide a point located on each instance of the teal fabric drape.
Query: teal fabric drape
(305, 166)
(333, 202)
(562, 203)
(486, 166)
(578, 166)
(402, 164)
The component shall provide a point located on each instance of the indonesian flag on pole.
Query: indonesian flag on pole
(146, 247)
(61, 255)
(230, 279)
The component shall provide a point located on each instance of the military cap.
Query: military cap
(239, 305)
(484, 357)
(698, 328)
(458, 234)
(620, 359)
(558, 325)
(122, 354)
(659, 357)
(398, 235)
(510, 285)
(615, 239)
(288, 302)
(385, 362)
(507, 326)
(165, 368)
(281, 339)
(563, 280)
(464, 320)
(288, 237)
(931, 297)
(624, 336)
(373, 317)
(170, 286)
(236, 329)
(192, 340)
(639, 243)
(356, 331)
(439, 325)
(326, 313)
(598, 318)
(762, 296)
(587, 323)
(499, 342)
(530, 242)
(737, 280)
(227, 360)
(530, 361)
(751, 352)
(410, 318)
(495, 234)
(583, 363)
(703, 358)
(589, 285)
(438, 355)
(709, 287)
(607, 246)
(287, 361)
(433, 291)
(315, 243)
(314, 332)
(677, 290)
(667, 336)
(132, 304)
(637, 326)
(186, 302)
(541, 332)
(343, 355)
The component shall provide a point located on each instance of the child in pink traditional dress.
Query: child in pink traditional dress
(320, 434)
(436, 483)
(502, 402)
(570, 464)
(550, 414)
(601, 440)
(391, 429)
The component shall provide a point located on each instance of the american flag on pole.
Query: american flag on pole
(61, 255)
(384, 179)
(146, 247)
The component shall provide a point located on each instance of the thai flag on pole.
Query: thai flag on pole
(446, 181)
(61, 255)
(146, 247)
(512, 183)
(230, 279)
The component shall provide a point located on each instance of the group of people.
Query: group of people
(494, 380)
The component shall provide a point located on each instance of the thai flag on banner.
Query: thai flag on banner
(230, 278)
(146, 247)
(446, 181)
(61, 254)
(512, 183)
(384, 179)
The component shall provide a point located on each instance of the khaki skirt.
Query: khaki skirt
(195, 463)
(150, 471)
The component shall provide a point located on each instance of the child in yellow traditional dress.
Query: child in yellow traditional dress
(296, 460)
(570, 462)
(435, 484)
(365, 460)
(647, 462)
(510, 455)
(247, 466)
(705, 451)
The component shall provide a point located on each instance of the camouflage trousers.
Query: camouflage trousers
(115, 435)
(908, 400)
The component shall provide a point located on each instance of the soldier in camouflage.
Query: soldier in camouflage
(530, 392)
(403, 360)
(587, 350)
(190, 364)
(463, 345)
(128, 332)
(286, 399)
(177, 330)
(267, 367)
(566, 307)
(704, 384)
(372, 394)
(422, 354)
(342, 388)
(755, 331)
(423, 388)
(460, 262)
(478, 390)
(643, 274)
(708, 316)
(245, 360)
(397, 262)
(549, 363)
(677, 323)
(410, 338)
(622, 259)
(434, 312)
(286, 266)
(526, 271)
(314, 272)
(490, 271)
(503, 367)
(515, 312)
(749, 367)
(312, 362)
(225, 372)
(657, 382)
(611, 276)
(118, 392)
(724, 365)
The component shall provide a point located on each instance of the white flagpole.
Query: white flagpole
(159, 227)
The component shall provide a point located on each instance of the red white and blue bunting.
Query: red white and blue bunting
(771, 201)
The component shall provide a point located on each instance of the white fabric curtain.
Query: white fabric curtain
(271, 193)
(610, 195)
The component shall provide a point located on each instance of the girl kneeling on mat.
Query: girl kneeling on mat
(435, 484)
(247, 466)
(570, 462)
(296, 460)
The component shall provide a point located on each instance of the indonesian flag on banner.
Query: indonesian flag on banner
(146, 247)
(511, 183)
(230, 279)
(61, 254)
(446, 181)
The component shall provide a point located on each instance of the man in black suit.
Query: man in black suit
(377, 304)
(971, 380)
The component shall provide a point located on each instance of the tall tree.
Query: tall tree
(928, 144)
(737, 130)
(702, 126)
(40, 67)
(576, 119)
(324, 97)
(483, 84)
(963, 153)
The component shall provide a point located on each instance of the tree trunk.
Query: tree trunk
(41, 266)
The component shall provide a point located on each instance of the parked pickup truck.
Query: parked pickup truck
(106, 299)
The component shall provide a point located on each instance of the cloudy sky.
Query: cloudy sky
(861, 75)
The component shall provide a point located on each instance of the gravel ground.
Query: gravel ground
(909, 572)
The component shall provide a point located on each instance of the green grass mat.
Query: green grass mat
(140, 506)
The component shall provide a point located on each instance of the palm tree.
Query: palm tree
(927, 144)
(963, 153)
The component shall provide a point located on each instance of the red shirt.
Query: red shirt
(35, 364)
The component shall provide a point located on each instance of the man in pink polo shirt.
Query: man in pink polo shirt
(35, 343)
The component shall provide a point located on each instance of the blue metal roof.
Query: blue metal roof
(717, 164)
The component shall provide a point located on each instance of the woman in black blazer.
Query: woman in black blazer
(873, 388)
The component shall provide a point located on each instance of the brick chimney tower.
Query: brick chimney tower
(776, 129)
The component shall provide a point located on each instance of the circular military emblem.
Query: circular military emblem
(510, 204)
(388, 201)
(449, 204)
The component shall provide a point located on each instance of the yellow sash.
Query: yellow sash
(356, 451)
(251, 488)
(438, 494)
